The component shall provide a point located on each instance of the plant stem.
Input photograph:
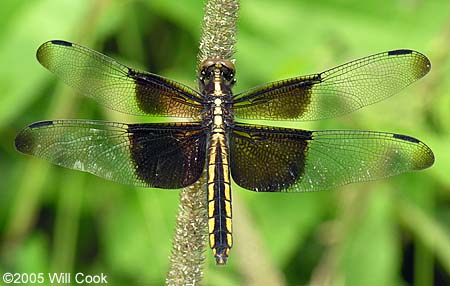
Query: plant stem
(190, 237)
(219, 30)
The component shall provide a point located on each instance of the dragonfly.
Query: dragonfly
(219, 132)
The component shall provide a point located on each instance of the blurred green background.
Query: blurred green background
(390, 232)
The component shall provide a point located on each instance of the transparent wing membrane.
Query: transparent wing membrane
(335, 92)
(117, 86)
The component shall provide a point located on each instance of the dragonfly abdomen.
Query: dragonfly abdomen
(219, 198)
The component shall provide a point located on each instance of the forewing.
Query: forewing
(335, 92)
(267, 159)
(166, 156)
(118, 86)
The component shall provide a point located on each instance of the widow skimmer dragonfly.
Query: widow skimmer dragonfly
(258, 158)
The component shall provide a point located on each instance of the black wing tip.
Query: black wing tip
(55, 42)
(41, 124)
(406, 138)
(400, 52)
(61, 43)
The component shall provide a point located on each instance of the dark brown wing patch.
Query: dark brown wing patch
(170, 157)
(267, 159)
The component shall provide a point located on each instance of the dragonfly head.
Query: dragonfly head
(216, 69)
